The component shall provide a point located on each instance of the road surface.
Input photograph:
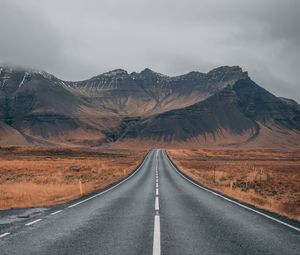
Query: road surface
(154, 211)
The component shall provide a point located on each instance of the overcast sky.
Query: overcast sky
(77, 39)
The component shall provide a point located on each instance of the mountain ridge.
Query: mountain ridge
(220, 107)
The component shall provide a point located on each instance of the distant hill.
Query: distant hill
(223, 107)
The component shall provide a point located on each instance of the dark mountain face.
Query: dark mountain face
(37, 105)
(239, 109)
(151, 107)
(207, 118)
(148, 92)
(260, 105)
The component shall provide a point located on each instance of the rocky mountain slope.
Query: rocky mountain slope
(223, 107)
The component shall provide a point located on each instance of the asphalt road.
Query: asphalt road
(154, 211)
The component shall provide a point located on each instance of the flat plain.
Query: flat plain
(264, 178)
(33, 177)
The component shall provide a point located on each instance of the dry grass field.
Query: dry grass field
(266, 179)
(31, 177)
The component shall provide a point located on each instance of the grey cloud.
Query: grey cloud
(26, 38)
(76, 39)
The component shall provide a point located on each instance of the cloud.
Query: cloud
(26, 38)
(77, 39)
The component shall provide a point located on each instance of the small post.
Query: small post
(231, 185)
(80, 188)
(125, 172)
(214, 173)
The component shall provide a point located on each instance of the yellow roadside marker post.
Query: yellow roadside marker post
(80, 188)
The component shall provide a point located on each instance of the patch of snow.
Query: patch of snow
(117, 72)
(46, 75)
(24, 77)
(64, 84)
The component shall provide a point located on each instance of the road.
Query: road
(155, 211)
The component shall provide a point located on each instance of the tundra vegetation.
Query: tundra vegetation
(266, 179)
(31, 177)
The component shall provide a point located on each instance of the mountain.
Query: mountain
(223, 107)
(240, 114)
(148, 92)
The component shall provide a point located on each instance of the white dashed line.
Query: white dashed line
(156, 204)
(33, 222)
(232, 201)
(56, 212)
(156, 235)
(4, 235)
(156, 238)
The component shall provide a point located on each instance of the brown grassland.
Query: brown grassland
(266, 179)
(32, 177)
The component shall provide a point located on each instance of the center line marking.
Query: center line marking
(5, 234)
(56, 212)
(156, 204)
(33, 222)
(156, 238)
(156, 234)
